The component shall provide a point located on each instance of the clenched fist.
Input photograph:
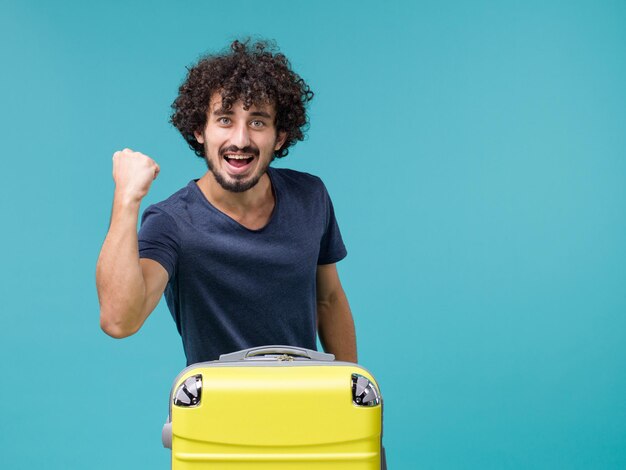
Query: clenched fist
(133, 173)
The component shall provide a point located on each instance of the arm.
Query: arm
(129, 288)
(334, 319)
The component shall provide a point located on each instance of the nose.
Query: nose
(241, 136)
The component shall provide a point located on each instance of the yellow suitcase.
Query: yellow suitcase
(275, 407)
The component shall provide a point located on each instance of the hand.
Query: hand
(133, 173)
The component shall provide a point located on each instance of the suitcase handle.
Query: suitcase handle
(276, 349)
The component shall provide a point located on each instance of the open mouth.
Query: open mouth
(239, 162)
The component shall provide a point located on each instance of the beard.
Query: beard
(237, 183)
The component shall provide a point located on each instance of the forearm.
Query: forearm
(336, 327)
(119, 278)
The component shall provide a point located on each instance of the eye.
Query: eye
(224, 120)
(257, 123)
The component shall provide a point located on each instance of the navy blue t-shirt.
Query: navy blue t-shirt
(232, 288)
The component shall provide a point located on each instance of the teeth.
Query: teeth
(239, 157)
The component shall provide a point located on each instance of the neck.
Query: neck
(257, 197)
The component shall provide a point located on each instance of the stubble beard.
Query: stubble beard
(238, 184)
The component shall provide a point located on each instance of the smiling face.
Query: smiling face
(239, 144)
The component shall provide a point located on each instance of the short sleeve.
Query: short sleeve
(159, 239)
(332, 248)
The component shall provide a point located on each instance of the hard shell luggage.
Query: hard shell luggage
(275, 407)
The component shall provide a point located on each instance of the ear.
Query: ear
(280, 140)
(199, 137)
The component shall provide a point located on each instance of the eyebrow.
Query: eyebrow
(217, 111)
(230, 112)
(261, 113)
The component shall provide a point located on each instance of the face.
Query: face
(239, 144)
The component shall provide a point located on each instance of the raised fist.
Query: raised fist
(133, 173)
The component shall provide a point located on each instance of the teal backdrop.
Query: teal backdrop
(476, 156)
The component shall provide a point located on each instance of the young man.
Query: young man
(246, 254)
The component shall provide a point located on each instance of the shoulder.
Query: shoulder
(292, 180)
(170, 215)
(175, 205)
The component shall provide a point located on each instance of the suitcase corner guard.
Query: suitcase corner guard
(364, 392)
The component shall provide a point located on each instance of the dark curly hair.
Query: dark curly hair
(253, 73)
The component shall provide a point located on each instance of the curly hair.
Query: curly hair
(253, 73)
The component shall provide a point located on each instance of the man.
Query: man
(246, 254)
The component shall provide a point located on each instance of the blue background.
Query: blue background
(476, 156)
